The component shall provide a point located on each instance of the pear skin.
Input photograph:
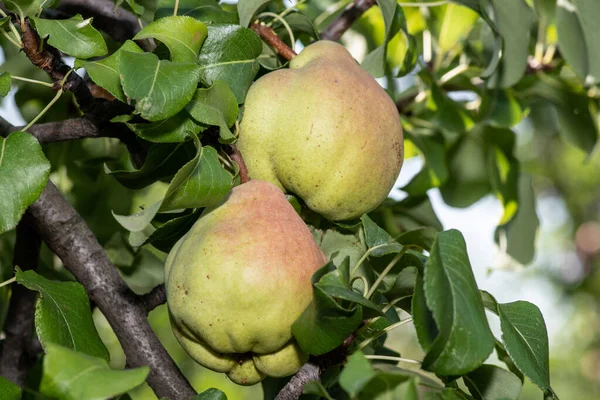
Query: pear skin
(324, 130)
(238, 280)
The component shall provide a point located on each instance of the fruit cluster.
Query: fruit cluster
(323, 130)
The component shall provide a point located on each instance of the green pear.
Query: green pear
(238, 280)
(324, 130)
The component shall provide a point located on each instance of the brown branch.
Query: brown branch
(236, 156)
(68, 236)
(154, 298)
(270, 37)
(15, 355)
(295, 387)
(49, 60)
(344, 21)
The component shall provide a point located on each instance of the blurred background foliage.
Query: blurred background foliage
(516, 150)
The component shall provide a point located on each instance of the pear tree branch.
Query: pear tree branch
(270, 37)
(17, 355)
(344, 21)
(295, 387)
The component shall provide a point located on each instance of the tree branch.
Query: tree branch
(68, 236)
(270, 37)
(154, 298)
(15, 355)
(344, 21)
(295, 387)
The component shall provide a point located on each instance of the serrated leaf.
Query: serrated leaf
(74, 36)
(217, 106)
(324, 324)
(105, 72)
(356, 374)
(160, 88)
(9, 390)
(24, 172)
(63, 315)
(464, 340)
(70, 375)
(247, 9)
(526, 339)
(489, 382)
(182, 35)
(171, 130)
(230, 54)
(5, 83)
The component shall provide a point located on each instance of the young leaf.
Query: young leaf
(464, 340)
(105, 72)
(9, 390)
(5, 82)
(160, 88)
(229, 54)
(74, 36)
(489, 382)
(182, 35)
(24, 172)
(215, 106)
(356, 374)
(526, 339)
(70, 375)
(63, 315)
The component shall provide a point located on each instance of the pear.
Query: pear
(238, 280)
(324, 130)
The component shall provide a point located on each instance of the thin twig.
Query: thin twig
(295, 387)
(154, 298)
(270, 37)
(236, 156)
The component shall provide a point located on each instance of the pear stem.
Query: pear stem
(270, 37)
(236, 156)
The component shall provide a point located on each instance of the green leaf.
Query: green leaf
(63, 315)
(571, 38)
(230, 54)
(514, 19)
(342, 293)
(217, 106)
(425, 325)
(160, 88)
(502, 109)
(74, 36)
(489, 382)
(70, 375)
(517, 237)
(208, 11)
(526, 339)
(171, 130)
(434, 172)
(450, 33)
(324, 324)
(24, 172)
(5, 82)
(394, 20)
(162, 162)
(356, 374)
(211, 394)
(105, 72)
(383, 385)
(588, 12)
(316, 388)
(378, 239)
(201, 182)
(464, 340)
(408, 390)
(165, 237)
(9, 390)
(24, 8)
(247, 9)
(182, 35)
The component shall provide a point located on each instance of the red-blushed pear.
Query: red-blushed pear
(324, 130)
(238, 280)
